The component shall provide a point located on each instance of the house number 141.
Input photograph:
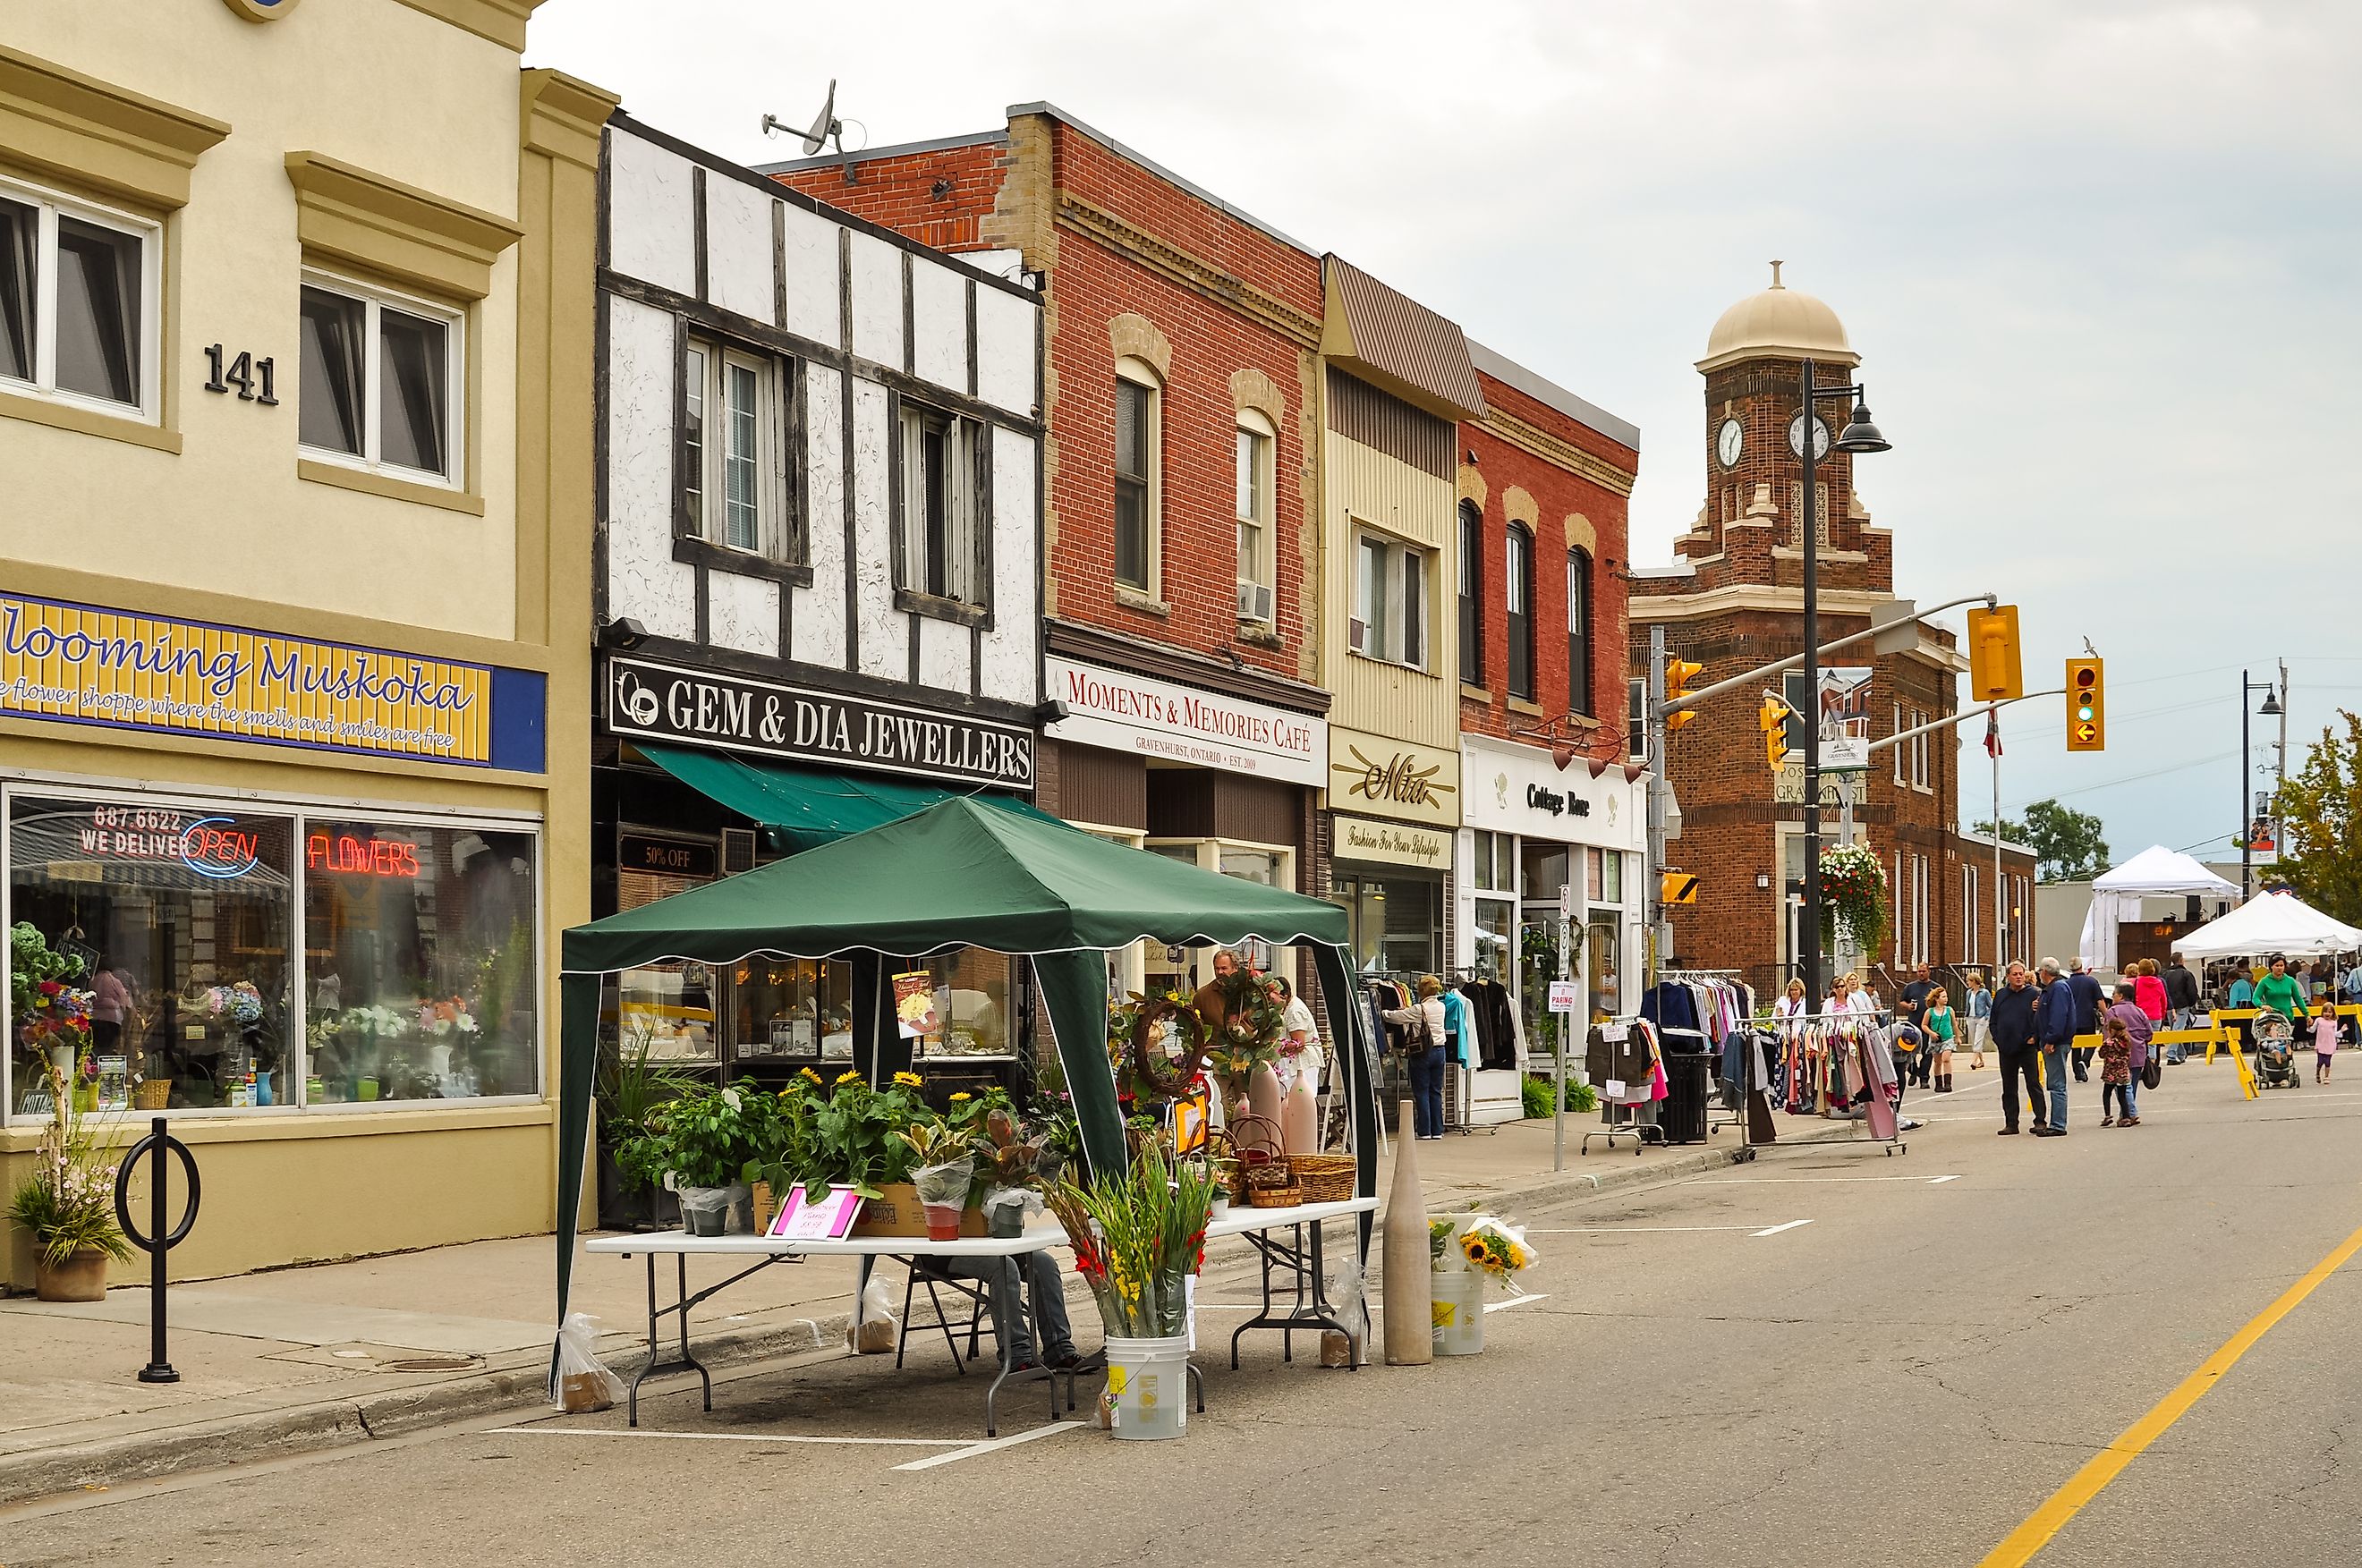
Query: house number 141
(254, 378)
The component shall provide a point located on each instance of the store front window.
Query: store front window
(1396, 921)
(971, 993)
(799, 1009)
(415, 977)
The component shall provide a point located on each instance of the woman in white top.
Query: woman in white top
(1300, 1049)
(1789, 1008)
(1425, 1049)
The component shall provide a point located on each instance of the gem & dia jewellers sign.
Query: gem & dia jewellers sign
(737, 713)
(1392, 778)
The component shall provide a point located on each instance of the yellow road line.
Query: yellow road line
(2086, 1484)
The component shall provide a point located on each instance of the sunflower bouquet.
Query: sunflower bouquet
(1497, 1249)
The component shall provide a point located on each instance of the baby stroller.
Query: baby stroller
(2275, 1036)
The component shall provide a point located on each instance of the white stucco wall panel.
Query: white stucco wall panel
(819, 620)
(939, 325)
(944, 655)
(653, 234)
(876, 300)
(643, 579)
(738, 249)
(814, 300)
(884, 631)
(1005, 363)
(743, 613)
(1012, 662)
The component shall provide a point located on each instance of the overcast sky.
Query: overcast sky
(2100, 260)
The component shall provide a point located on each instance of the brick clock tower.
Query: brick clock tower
(1734, 599)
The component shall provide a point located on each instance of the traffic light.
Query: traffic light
(1994, 673)
(1773, 717)
(2087, 705)
(1679, 674)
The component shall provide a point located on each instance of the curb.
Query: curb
(337, 1423)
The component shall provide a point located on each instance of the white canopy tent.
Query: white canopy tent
(2271, 923)
(2155, 873)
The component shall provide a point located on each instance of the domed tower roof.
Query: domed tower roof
(1778, 323)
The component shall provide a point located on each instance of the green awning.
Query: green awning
(813, 806)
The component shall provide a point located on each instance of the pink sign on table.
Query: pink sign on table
(829, 1218)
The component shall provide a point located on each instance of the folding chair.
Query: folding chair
(928, 1275)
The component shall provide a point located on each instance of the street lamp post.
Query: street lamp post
(2246, 782)
(1858, 435)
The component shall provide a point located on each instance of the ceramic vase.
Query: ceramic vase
(1410, 1279)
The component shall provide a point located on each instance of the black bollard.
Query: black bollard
(158, 1241)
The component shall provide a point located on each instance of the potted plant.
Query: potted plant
(942, 1167)
(699, 1142)
(1008, 1174)
(1139, 1236)
(630, 1085)
(66, 1204)
(1465, 1250)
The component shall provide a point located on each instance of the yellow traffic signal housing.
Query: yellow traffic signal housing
(2087, 705)
(1679, 674)
(1995, 675)
(1773, 717)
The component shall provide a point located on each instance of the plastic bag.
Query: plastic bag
(1494, 1247)
(872, 1331)
(1007, 1208)
(717, 1211)
(945, 1184)
(1348, 1293)
(584, 1384)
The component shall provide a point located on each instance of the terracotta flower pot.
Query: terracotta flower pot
(81, 1277)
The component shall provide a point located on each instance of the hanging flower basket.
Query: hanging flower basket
(1853, 896)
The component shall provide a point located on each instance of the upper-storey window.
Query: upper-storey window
(1520, 588)
(943, 524)
(733, 456)
(1389, 619)
(1578, 632)
(1139, 438)
(381, 380)
(1256, 441)
(78, 301)
(1471, 593)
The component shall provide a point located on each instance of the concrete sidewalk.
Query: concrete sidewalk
(305, 1358)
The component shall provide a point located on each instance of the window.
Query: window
(733, 450)
(1902, 761)
(1520, 599)
(78, 301)
(1969, 927)
(1636, 719)
(1389, 619)
(271, 961)
(1495, 868)
(1472, 594)
(1138, 439)
(1918, 754)
(1578, 632)
(1254, 476)
(942, 504)
(380, 374)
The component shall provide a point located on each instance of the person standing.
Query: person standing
(2243, 988)
(2058, 1031)
(1914, 1012)
(2084, 987)
(1425, 1020)
(1979, 1013)
(2012, 1029)
(2324, 1044)
(2125, 1017)
(2182, 1005)
(110, 1005)
(1299, 1046)
(2282, 991)
(1942, 1035)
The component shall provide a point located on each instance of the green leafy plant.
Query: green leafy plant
(1137, 1236)
(66, 1204)
(631, 1085)
(854, 1133)
(702, 1138)
(1534, 1097)
(1582, 1097)
(1853, 893)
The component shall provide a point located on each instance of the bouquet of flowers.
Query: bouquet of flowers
(60, 1015)
(240, 1003)
(1481, 1243)
(439, 1020)
(1138, 1238)
(1853, 891)
(68, 1203)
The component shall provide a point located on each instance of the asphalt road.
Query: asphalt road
(1903, 1379)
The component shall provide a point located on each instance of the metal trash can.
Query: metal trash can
(1689, 1077)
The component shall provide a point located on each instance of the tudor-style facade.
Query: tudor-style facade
(818, 572)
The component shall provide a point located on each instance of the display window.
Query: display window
(248, 958)
(967, 1012)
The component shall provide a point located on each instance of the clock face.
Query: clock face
(1729, 442)
(1820, 437)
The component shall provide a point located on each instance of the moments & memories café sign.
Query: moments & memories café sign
(82, 664)
(739, 713)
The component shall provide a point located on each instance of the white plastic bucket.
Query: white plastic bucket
(1459, 1299)
(1148, 1385)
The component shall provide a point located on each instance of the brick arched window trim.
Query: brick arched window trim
(1518, 597)
(1579, 638)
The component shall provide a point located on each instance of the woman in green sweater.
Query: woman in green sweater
(2281, 990)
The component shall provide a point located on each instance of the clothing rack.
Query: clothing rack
(1459, 1082)
(1775, 1024)
(1678, 976)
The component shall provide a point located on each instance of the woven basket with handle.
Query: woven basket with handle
(1325, 1178)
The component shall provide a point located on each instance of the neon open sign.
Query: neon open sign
(356, 856)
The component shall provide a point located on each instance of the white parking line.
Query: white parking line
(726, 1436)
(1792, 1180)
(994, 1445)
(1940, 1180)
(1776, 1230)
(1514, 1301)
(1619, 1230)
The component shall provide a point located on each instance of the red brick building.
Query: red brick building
(1734, 600)
(1181, 393)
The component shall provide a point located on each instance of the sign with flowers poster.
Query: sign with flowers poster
(915, 1004)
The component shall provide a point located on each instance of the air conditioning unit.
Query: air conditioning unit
(737, 850)
(1255, 602)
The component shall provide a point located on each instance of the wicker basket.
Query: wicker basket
(1325, 1178)
(1287, 1197)
(154, 1094)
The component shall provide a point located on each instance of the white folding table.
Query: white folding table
(1298, 1254)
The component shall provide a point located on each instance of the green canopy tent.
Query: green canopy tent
(956, 874)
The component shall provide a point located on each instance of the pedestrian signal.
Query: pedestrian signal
(1679, 674)
(1993, 671)
(2087, 705)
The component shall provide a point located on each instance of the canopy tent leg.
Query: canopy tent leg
(1347, 1030)
(1074, 986)
(578, 1068)
(880, 1051)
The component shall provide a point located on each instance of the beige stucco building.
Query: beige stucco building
(296, 308)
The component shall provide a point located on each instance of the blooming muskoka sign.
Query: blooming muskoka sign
(84, 664)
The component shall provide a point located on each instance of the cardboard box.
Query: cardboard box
(895, 1211)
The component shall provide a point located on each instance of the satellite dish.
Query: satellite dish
(825, 127)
